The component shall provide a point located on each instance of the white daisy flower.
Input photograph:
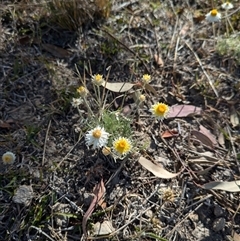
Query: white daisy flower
(122, 146)
(227, 5)
(76, 102)
(8, 158)
(97, 137)
(160, 110)
(213, 16)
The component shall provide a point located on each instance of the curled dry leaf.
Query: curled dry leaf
(184, 111)
(233, 186)
(118, 87)
(156, 169)
(158, 60)
(170, 133)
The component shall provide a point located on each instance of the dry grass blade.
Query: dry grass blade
(200, 63)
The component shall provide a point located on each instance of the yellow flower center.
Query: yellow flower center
(81, 89)
(146, 78)
(214, 13)
(7, 158)
(98, 77)
(97, 134)
(161, 109)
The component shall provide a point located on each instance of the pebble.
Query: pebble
(218, 211)
(23, 195)
(219, 224)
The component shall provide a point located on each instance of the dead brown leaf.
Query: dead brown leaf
(56, 51)
(235, 236)
(207, 133)
(98, 191)
(157, 169)
(158, 60)
(203, 138)
(169, 133)
(184, 111)
(4, 125)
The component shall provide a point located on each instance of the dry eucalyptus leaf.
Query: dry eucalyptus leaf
(157, 169)
(235, 236)
(56, 51)
(233, 186)
(207, 133)
(103, 228)
(151, 89)
(203, 138)
(158, 60)
(234, 119)
(98, 191)
(170, 133)
(118, 87)
(184, 111)
(221, 139)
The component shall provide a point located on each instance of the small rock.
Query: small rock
(219, 224)
(61, 220)
(148, 214)
(23, 195)
(218, 210)
(103, 228)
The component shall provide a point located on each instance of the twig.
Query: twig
(233, 148)
(42, 232)
(45, 142)
(200, 63)
(126, 47)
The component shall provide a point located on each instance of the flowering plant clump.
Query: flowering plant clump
(96, 137)
(122, 146)
(97, 79)
(146, 78)
(160, 110)
(76, 102)
(8, 158)
(227, 5)
(82, 91)
(213, 16)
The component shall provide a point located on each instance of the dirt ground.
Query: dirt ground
(50, 191)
